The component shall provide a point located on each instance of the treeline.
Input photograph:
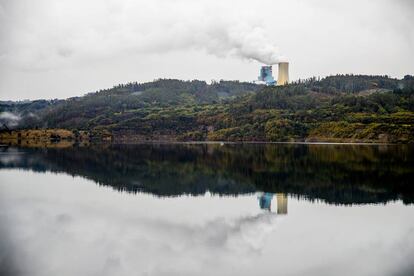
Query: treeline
(335, 108)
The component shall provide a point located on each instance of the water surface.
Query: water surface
(207, 210)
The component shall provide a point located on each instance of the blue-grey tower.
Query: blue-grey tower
(266, 75)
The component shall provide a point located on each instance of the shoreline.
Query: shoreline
(73, 143)
(67, 138)
(255, 142)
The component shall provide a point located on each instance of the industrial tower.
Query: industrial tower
(283, 75)
(266, 76)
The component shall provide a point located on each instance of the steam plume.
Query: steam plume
(120, 28)
(254, 44)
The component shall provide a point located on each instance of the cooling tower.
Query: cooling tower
(283, 76)
(266, 75)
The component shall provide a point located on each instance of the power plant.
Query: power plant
(266, 76)
(283, 73)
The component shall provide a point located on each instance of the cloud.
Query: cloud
(52, 34)
(57, 49)
(9, 118)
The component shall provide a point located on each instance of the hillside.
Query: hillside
(342, 108)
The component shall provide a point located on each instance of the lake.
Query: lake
(207, 209)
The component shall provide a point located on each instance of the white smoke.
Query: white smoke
(254, 43)
(9, 118)
(242, 40)
(51, 34)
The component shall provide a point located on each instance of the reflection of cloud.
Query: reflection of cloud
(63, 218)
(245, 233)
(182, 249)
(10, 156)
(406, 269)
(404, 252)
(408, 5)
(252, 231)
(112, 266)
(381, 257)
(10, 159)
(75, 228)
(86, 243)
(8, 258)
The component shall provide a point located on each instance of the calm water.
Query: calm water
(207, 210)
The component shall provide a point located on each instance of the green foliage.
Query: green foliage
(342, 108)
(354, 83)
(283, 130)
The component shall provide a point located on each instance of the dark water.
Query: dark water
(207, 210)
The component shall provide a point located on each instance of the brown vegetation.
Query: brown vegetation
(51, 137)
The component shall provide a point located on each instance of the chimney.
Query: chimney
(283, 76)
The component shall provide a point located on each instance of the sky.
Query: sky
(59, 49)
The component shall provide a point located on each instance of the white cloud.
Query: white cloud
(64, 48)
(9, 118)
(72, 31)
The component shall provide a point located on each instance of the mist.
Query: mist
(9, 118)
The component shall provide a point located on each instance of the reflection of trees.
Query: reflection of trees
(335, 173)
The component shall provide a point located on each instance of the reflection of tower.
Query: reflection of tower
(281, 204)
(265, 201)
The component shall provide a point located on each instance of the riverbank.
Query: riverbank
(51, 137)
(67, 138)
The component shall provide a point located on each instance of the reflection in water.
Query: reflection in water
(338, 174)
(265, 202)
(282, 201)
(57, 223)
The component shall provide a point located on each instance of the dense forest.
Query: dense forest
(352, 108)
(338, 174)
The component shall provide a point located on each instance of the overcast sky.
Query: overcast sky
(64, 48)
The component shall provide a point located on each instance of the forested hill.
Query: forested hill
(335, 108)
(123, 97)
